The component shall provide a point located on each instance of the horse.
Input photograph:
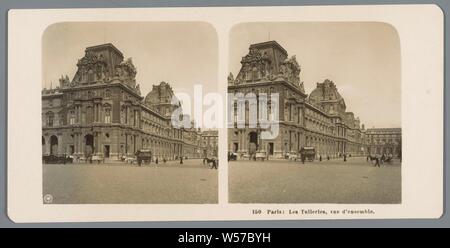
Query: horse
(371, 158)
(211, 162)
(377, 160)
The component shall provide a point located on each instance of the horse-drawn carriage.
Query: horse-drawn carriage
(143, 156)
(308, 153)
(381, 159)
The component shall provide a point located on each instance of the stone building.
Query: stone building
(210, 139)
(101, 112)
(320, 119)
(384, 141)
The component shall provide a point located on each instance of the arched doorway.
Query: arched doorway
(253, 142)
(89, 145)
(53, 145)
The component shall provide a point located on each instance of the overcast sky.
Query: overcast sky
(363, 59)
(182, 54)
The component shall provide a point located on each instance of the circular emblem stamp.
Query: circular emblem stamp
(48, 198)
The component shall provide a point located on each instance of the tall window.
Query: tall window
(136, 118)
(89, 115)
(50, 117)
(107, 115)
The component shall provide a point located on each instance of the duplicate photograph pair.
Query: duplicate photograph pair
(285, 119)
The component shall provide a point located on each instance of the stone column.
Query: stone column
(46, 145)
(126, 145)
(95, 113)
(75, 143)
(78, 113)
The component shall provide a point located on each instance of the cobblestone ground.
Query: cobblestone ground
(334, 181)
(191, 182)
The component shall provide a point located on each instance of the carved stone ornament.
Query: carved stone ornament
(230, 78)
(254, 56)
(290, 70)
(138, 89)
(88, 59)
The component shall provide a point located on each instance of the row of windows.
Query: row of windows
(153, 118)
(385, 141)
(152, 128)
(315, 115)
(317, 126)
(87, 117)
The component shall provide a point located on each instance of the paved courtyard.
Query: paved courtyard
(334, 181)
(189, 183)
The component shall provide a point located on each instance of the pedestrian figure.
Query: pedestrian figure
(164, 160)
(377, 162)
(328, 157)
(320, 158)
(215, 164)
(345, 157)
(303, 159)
(181, 160)
(156, 161)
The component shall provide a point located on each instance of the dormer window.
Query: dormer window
(91, 76)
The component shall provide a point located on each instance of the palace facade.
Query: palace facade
(319, 119)
(101, 112)
(384, 140)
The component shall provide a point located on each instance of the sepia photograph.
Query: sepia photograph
(314, 113)
(225, 113)
(113, 129)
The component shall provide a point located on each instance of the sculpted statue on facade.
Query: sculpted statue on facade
(90, 68)
(302, 87)
(230, 78)
(99, 72)
(126, 71)
(266, 68)
(138, 89)
(64, 81)
(290, 70)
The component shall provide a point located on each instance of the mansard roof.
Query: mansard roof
(326, 92)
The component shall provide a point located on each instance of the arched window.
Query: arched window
(255, 73)
(50, 117)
